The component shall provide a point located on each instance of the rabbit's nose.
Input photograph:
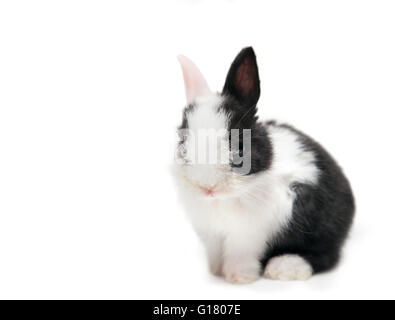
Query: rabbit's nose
(209, 191)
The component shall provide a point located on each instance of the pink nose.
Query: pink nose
(208, 191)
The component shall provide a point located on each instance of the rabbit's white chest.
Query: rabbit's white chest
(258, 217)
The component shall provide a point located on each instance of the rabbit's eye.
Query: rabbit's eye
(236, 156)
(183, 151)
(233, 154)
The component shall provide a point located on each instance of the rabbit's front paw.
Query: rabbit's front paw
(240, 275)
(215, 268)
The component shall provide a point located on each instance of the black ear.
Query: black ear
(242, 81)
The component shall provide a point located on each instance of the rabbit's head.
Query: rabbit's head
(221, 143)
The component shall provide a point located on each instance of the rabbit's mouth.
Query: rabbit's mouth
(207, 190)
(211, 191)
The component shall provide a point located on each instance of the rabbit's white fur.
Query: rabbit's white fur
(288, 267)
(247, 211)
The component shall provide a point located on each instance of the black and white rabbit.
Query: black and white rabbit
(288, 216)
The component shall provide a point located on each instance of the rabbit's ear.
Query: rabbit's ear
(195, 84)
(242, 81)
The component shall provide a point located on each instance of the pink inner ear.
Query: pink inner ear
(195, 84)
(246, 73)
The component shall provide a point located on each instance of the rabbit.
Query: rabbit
(286, 213)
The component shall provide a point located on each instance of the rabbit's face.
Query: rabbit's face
(203, 151)
(217, 150)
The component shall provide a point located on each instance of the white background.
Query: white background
(90, 96)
